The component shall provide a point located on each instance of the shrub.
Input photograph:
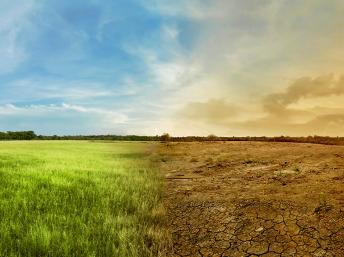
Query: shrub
(165, 137)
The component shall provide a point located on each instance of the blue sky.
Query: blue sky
(69, 65)
(184, 67)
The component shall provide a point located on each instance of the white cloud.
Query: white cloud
(14, 19)
(33, 89)
(171, 74)
(63, 118)
(192, 9)
(170, 33)
(34, 110)
(108, 116)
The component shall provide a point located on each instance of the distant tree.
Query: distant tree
(165, 137)
(30, 135)
(19, 135)
(212, 137)
(3, 135)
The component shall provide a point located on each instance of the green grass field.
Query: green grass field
(78, 198)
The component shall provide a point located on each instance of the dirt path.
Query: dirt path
(254, 199)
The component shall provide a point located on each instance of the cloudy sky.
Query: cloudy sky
(196, 67)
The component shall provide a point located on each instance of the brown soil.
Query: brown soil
(254, 199)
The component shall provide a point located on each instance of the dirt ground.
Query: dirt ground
(254, 198)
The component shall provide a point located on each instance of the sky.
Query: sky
(196, 67)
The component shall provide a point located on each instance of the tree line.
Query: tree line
(17, 135)
(31, 135)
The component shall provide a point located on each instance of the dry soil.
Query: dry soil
(254, 198)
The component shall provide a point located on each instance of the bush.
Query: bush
(165, 137)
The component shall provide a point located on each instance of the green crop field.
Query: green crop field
(78, 198)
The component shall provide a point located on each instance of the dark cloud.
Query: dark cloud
(331, 124)
(326, 124)
(304, 88)
(278, 118)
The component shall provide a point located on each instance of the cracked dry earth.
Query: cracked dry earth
(254, 199)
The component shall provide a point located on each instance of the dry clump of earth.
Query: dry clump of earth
(254, 198)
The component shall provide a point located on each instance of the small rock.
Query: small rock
(259, 229)
(319, 253)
